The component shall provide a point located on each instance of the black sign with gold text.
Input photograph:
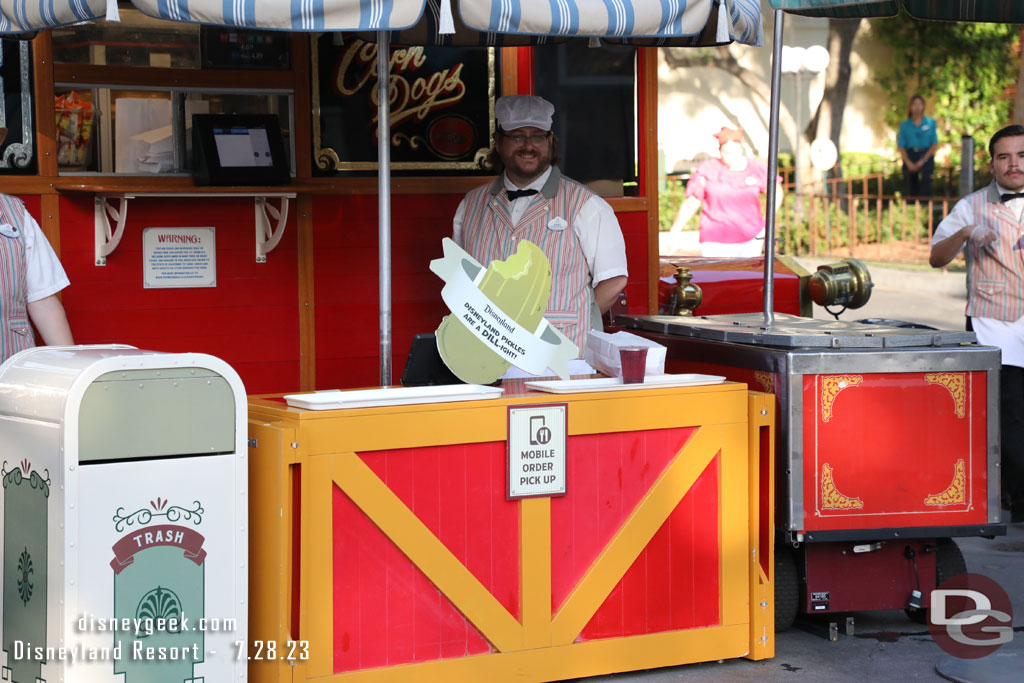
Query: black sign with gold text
(442, 108)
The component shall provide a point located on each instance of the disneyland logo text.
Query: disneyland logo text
(26, 651)
(148, 626)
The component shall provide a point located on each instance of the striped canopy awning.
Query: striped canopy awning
(995, 11)
(657, 22)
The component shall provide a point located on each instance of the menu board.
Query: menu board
(442, 107)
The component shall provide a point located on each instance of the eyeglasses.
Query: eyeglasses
(536, 139)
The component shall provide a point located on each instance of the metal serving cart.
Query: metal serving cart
(887, 447)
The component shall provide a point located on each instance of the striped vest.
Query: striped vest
(996, 271)
(15, 331)
(488, 234)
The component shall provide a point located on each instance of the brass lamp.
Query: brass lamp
(846, 283)
(685, 296)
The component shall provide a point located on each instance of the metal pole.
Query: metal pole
(798, 185)
(384, 201)
(967, 187)
(828, 211)
(773, 172)
(966, 165)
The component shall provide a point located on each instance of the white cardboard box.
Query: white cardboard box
(603, 352)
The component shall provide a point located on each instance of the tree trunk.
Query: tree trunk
(828, 119)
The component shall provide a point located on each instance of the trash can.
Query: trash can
(124, 517)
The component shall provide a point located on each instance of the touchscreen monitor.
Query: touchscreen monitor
(238, 149)
(424, 365)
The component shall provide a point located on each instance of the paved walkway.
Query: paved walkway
(887, 646)
(931, 297)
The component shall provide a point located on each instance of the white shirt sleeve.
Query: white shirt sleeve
(460, 214)
(600, 236)
(959, 218)
(45, 274)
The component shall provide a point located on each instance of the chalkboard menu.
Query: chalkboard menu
(231, 48)
(442, 108)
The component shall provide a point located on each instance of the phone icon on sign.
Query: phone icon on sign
(540, 434)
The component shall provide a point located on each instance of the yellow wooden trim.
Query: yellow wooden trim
(589, 658)
(761, 415)
(733, 565)
(270, 516)
(316, 599)
(605, 413)
(635, 533)
(535, 571)
(419, 428)
(371, 429)
(426, 552)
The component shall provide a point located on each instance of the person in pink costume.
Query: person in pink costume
(728, 193)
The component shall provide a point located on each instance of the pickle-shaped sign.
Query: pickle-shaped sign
(497, 317)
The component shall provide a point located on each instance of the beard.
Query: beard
(526, 165)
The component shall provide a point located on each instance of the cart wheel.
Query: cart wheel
(949, 562)
(787, 588)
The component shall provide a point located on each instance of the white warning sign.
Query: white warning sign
(536, 450)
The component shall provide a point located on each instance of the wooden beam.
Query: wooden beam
(46, 123)
(307, 298)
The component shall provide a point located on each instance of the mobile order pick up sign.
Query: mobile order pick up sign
(537, 450)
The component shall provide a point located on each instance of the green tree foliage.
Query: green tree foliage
(962, 70)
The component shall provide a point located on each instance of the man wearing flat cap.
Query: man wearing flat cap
(532, 200)
(30, 277)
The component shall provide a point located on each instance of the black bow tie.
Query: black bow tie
(516, 194)
(1010, 195)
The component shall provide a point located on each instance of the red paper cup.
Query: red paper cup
(634, 363)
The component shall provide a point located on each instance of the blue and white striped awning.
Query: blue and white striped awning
(663, 21)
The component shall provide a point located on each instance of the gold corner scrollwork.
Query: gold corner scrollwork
(956, 384)
(956, 492)
(831, 385)
(766, 380)
(831, 497)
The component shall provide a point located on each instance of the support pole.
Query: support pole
(384, 201)
(773, 172)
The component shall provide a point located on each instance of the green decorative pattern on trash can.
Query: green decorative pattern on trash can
(159, 580)
(26, 493)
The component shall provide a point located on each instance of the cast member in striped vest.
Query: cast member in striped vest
(532, 200)
(30, 277)
(989, 225)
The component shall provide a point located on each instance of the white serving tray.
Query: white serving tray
(574, 386)
(391, 396)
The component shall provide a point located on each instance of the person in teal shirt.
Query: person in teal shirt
(917, 141)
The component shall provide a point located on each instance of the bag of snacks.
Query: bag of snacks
(74, 130)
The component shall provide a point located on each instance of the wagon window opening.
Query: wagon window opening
(594, 91)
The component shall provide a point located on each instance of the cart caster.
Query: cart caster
(787, 588)
(949, 562)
